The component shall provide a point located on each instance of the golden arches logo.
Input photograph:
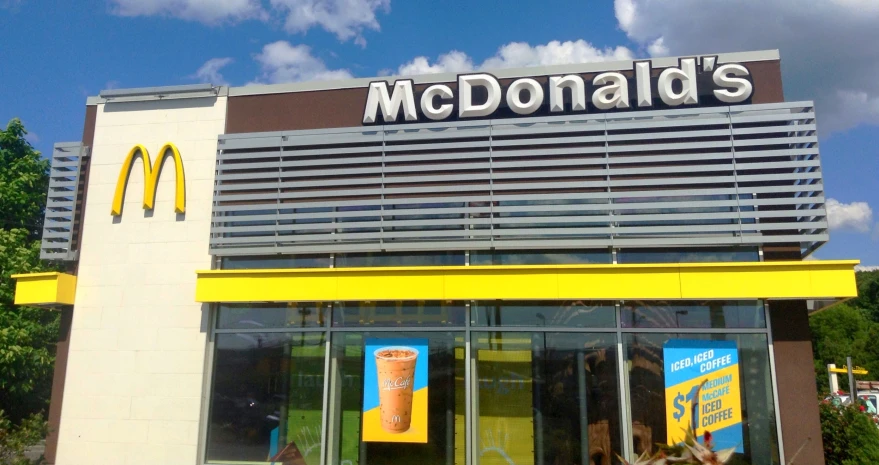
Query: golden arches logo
(151, 178)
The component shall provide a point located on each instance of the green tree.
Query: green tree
(850, 436)
(840, 332)
(868, 293)
(27, 335)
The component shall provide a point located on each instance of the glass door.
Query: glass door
(545, 398)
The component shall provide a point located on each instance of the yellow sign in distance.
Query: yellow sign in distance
(151, 178)
(855, 370)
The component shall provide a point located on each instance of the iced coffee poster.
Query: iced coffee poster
(702, 392)
(395, 390)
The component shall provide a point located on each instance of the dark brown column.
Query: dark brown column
(795, 374)
(62, 348)
(61, 351)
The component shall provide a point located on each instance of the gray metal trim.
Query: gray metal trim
(60, 220)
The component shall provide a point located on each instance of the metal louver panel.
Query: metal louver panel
(737, 175)
(59, 225)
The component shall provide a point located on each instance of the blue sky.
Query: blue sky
(55, 53)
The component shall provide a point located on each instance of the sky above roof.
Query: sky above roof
(55, 53)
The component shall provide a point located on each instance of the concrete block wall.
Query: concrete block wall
(137, 346)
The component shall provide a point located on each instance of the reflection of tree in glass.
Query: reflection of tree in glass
(309, 440)
(496, 442)
(580, 378)
(571, 312)
(647, 390)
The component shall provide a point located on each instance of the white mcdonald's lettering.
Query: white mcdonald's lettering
(675, 86)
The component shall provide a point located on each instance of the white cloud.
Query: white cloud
(518, 55)
(283, 62)
(823, 45)
(452, 62)
(658, 48)
(204, 11)
(855, 216)
(210, 71)
(346, 19)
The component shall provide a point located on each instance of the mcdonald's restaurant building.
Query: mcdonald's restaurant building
(542, 266)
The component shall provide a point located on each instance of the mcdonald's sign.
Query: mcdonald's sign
(151, 178)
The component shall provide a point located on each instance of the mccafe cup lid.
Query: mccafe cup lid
(396, 353)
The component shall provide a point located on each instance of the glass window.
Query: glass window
(399, 313)
(538, 257)
(267, 398)
(445, 404)
(691, 314)
(546, 398)
(648, 396)
(369, 259)
(694, 255)
(276, 262)
(558, 313)
(273, 315)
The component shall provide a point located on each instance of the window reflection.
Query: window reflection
(445, 405)
(577, 313)
(688, 255)
(692, 314)
(273, 315)
(547, 398)
(276, 262)
(644, 356)
(538, 257)
(267, 398)
(399, 313)
(376, 259)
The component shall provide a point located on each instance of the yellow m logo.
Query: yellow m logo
(151, 178)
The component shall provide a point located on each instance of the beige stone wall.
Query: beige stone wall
(137, 351)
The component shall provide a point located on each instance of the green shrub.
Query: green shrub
(15, 439)
(850, 436)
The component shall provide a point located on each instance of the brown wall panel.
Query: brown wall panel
(767, 81)
(795, 374)
(295, 110)
(60, 372)
(341, 108)
(88, 129)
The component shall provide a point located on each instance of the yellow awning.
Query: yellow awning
(812, 279)
(45, 289)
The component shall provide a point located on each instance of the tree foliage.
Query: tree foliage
(850, 437)
(27, 335)
(24, 180)
(850, 329)
(15, 439)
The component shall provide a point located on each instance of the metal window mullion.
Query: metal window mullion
(381, 207)
(470, 411)
(608, 188)
(278, 200)
(732, 148)
(625, 408)
(209, 368)
(491, 185)
(774, 379)
(325, 405)
(217, 217)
